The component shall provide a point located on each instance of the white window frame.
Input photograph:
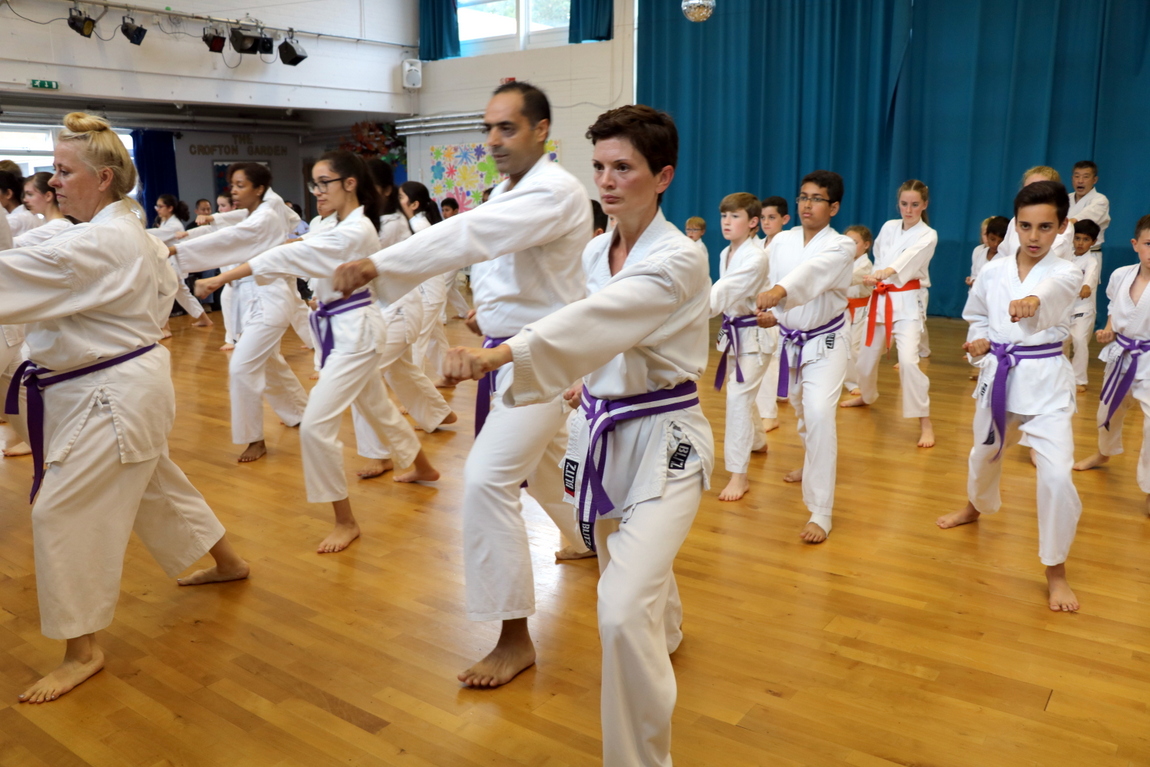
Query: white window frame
(16, 155)
(523, 40)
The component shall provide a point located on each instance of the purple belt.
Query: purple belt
(731, 326)
(1009, 355)
(321, 319)
(1117, 385)
(486, 387)
(36, 379)
(799, 338)
(602, 416)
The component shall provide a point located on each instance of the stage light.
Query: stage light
(248, 40)
(291, 52)
(81, 23)
(132, 31)
(214, 39)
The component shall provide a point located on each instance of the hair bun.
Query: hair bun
(82, 122)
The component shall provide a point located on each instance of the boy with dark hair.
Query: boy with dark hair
(1019, 315)
(775, 217)
(1088, 203)
(449, 207)
(1127, 339)
(1085, 309)
(746, 348)
(811, 269)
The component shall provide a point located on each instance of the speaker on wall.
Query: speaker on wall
(412, 73)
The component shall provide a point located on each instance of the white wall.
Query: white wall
(581, 81)
(196, 151)
(338, 74)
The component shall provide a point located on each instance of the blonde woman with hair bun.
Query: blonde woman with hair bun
(100, 404)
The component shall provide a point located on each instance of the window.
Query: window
(30, 146)
(499, 26)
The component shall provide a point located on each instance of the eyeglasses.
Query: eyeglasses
(693, 229)
(315, 187)
(812, 200)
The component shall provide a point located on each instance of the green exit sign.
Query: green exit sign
(48, 85)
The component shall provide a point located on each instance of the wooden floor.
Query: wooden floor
(894, 643)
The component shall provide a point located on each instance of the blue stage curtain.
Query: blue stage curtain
(591, 20)
(962, 94)
(438, 30)
(155, 152)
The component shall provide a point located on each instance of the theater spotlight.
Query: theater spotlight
(214, 39)
(248, 40)
(291, 52)
(81, 23)
(131, 30)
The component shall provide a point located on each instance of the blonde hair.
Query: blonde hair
(862, 232)
(914, 185)
(101, 148)
(695, 222)
(1048, 173)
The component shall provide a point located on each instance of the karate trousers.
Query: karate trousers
(815, 399)
(230, 309)
(640, 620)
(457, 305)
(10, 359)
(432, 342)
(516, 444)
(257, 369)
(924, 339)
(1110, 440)
(300, 315)
(767, 399)
(1081, 330)
(348, 378)
(914, 383)
(743, 431)
(857, 339)
(88, 507)
(184, 297)
(1051, 437)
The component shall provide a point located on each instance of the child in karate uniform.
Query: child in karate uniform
(746, 348)
(1127, 339)
(1019, 315)
(858, 301)
(775, 217)
(1085, 309)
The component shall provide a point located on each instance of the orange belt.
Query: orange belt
(885, 289)
(856, 303)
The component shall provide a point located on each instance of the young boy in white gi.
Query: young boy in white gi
(1019, 315)
(775, 217)
(858, 302)
(746, 348)
(811, 269)
(525, 246)
(1085, 309)
(1127, 339)
(993, 233)
(641, 449)
(1087, 203)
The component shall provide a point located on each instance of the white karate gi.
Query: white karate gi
(1063, 246)
(257, 367)
(642, 330)
(1084, 312)
(978, 260)
(863, 268)
(1039, 393)
(97, 291)
(41, 233)
(742, 276)
(457, 305)
(525, 246)
(11, 345)
(166, 233)
(22, 220)
(351, 373)
(230, 307)
(767, 400)
(908, 252)
(1133, 321)
(816, 277)
(1094, 207)
(924, 337)
(431, 344)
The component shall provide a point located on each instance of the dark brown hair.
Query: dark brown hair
(651, 132)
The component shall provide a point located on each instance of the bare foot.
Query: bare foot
(215, 574)
(314, 376)
(736, 488)
(227, 347)
(965, 516)
(1062, 599)
(339, 538)
(812, 533)
(167, 332)
(449, 419)
(926, 438)
(895, 366)
(20, 448)
(856, 392)
(417, 474)
(1081, 388)
(375, 467)
(254, 452)
(569, 552)
(514, 653)
(82, 660)
(853, 402)
(203, 322)
(770, 424)
(1093, 462)
(795, 475)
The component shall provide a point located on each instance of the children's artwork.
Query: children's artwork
(463, 171)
